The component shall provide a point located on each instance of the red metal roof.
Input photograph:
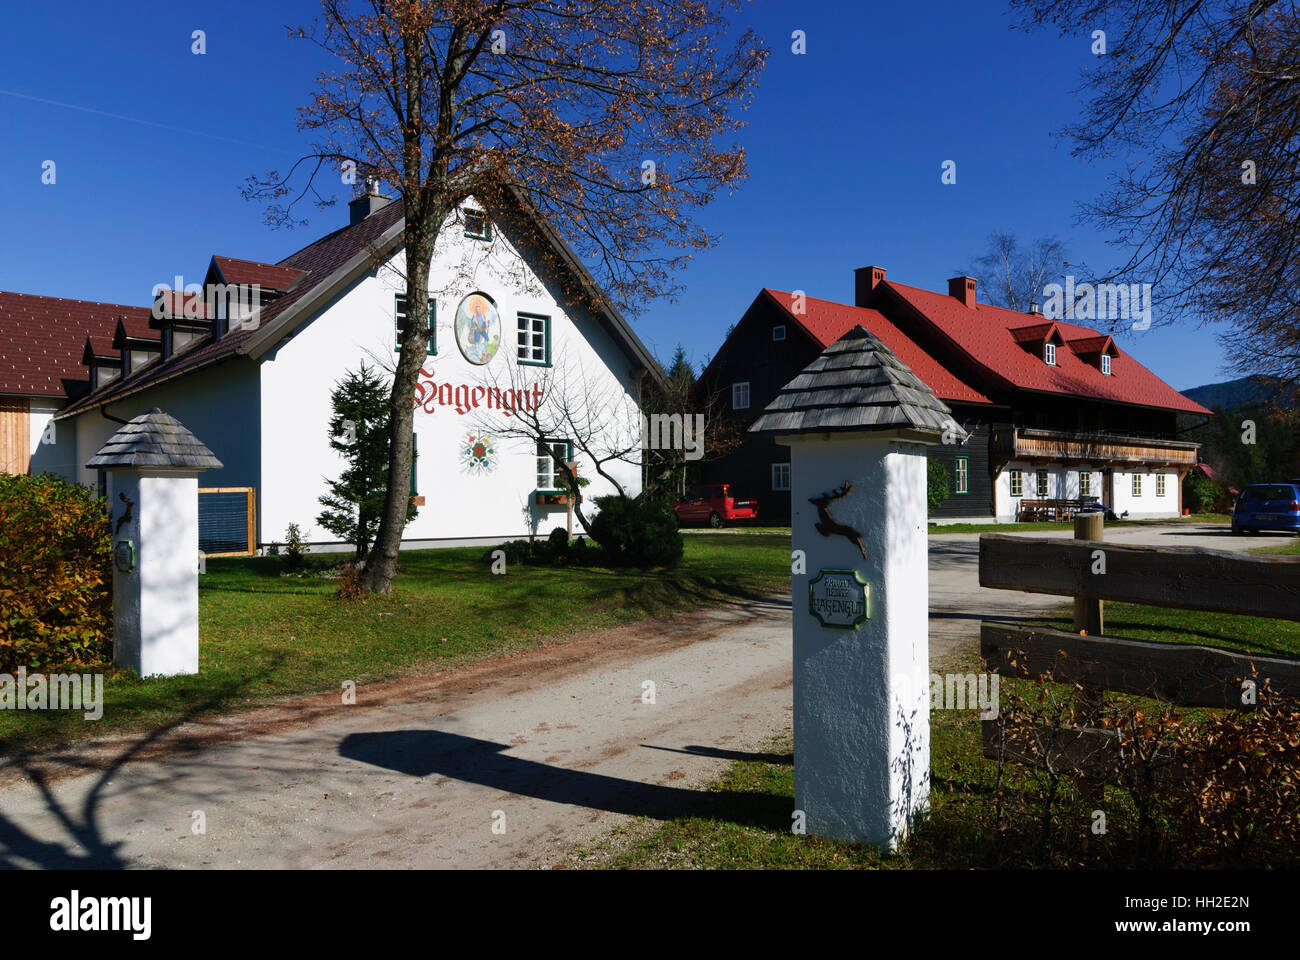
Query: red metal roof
(265, 275)
(827, 321)
(42, 339)
(984, 333)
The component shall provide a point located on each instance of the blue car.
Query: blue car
(1267, 506)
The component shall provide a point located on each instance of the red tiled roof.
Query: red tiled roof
(265, 275)
(984, 333)
(42, 339)
(317, 262)
(1034, 332)
(1088, 346)
(827, 321)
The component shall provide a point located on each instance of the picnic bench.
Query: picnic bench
(1058, 508)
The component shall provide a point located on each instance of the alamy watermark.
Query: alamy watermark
(674, 431)
(239, 304)
(1098, 301)
(965, 691)
(59, 691)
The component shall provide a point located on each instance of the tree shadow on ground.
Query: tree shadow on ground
(425, 753)
(84, 846)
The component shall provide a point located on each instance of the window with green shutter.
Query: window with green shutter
(399, 323)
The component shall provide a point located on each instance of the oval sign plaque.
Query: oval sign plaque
(839, 598)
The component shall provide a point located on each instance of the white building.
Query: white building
(255, 385)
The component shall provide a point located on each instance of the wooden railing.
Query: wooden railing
(1186, 675)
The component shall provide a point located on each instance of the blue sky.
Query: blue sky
(845, 146)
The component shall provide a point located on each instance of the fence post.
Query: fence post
(1088, 613)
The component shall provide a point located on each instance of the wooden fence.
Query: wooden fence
(1091, 571)
(228, 521)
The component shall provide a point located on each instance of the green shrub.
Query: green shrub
(1200, 493)
(936, 489)
(56, 579)
(295, 550)
(638, 531)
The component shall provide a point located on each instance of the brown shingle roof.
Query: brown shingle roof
(317, 262)
(42, 339)
(265, 275)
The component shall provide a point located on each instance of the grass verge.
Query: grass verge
(264, 636)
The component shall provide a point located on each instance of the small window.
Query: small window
(477, 225)
(1049, 354)
(961, 475)
(740, 396)
(534, 340)
(548, 474)
(1137, 484)
(1160, 484)
(778, 333)
(1085, 483)
(1105, 364)
(399, 323)
(1017, 483)
(780, 476)
(1041, 478)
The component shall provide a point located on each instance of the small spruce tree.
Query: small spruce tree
(359, 430)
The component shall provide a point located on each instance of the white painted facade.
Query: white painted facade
(267, 419)
(1063, 481)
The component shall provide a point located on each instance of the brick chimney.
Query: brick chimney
(369, 202)
(963, 289)
(865, 281)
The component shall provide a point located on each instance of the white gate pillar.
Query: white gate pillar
(153, 464)
(857, 421)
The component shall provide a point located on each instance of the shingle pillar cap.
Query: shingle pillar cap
(858, 384)
(154, 439)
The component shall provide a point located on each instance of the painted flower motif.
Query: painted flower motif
(478, 454)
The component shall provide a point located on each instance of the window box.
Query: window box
(547, 498)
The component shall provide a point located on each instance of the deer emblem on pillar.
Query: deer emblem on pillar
(828, 526)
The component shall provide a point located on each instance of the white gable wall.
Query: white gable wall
(298, 376)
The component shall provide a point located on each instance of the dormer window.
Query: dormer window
(1049, 354)
(477, 225)
(1105, 364)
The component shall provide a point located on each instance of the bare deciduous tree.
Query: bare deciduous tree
(1013, 276)
(601, 119)
(1195, 100)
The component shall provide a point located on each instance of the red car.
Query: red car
(713, 504)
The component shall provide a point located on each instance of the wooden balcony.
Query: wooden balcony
(1063, 446)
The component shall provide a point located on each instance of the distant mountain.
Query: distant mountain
(1244, 392)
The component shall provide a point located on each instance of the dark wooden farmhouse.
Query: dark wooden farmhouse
(1053, 411)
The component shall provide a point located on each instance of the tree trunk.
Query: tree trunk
(381, 565)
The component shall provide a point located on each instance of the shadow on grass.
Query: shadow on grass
(425, 753)
(779, 759)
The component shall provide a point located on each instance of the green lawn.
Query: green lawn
(265, 636)
(1141, 622)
